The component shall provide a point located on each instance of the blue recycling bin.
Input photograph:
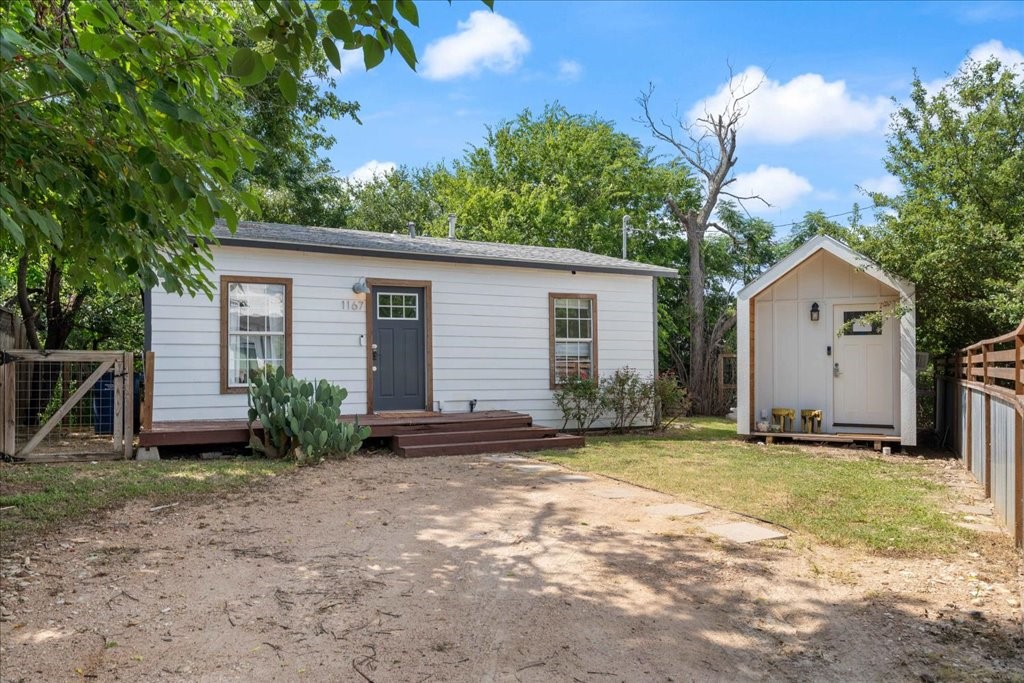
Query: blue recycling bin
(103, 404)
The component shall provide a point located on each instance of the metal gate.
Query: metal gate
(66, 405)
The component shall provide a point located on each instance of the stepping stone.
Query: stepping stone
(569, 479)
(615, 493)
(982, 528)
(977, 510)
(506, 458)
(535, 468)
(674, 510)
(745, 532)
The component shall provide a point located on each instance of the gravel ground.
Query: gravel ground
(465, 569)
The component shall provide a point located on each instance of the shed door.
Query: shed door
(864, 382)
(399, 357)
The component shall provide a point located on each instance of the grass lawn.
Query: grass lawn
(34, 498)
(862, 501)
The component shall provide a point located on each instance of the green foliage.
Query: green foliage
(580, 401)
(957, 231)
(671, 400)
(561, 180)
(817, 223)
(386, 203)
(627, 395)
(119, 133)
(300, 419)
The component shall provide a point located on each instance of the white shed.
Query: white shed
(792, 352)
(405, 323)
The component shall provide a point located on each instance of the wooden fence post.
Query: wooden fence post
(129, 404)
(1018, 468)
(9, 408)
(987, 424)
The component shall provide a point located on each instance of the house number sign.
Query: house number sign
(353, 305)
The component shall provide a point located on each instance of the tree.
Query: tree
(817, 223)
(291, 179)
(119, 133)
(561, 180)
(957, 230)
(387, 202)
(708, 147)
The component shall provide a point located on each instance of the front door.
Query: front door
(864, 374)
(399, 349)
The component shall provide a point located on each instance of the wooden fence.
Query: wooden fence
(12, 331)
(66, 405)
(979, 412)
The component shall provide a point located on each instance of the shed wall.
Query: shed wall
(791, 363)
(490, 331)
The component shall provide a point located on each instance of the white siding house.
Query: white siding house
(864, 381)
(404, 323)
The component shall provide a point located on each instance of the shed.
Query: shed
(802, 344)
(405, 323)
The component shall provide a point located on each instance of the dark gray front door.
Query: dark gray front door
(399, 381)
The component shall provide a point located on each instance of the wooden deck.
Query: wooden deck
(875, 439)
(450, 433)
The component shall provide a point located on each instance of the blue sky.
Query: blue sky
(816, 127)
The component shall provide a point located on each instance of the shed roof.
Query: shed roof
(384, 245)
(837, 249)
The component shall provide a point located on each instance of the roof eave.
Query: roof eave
(649, 271)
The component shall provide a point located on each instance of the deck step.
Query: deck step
(510, 422)
(501, 446)
(468, 436)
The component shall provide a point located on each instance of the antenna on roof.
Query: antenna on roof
(451, 226)
(412, 228)
(626, 223)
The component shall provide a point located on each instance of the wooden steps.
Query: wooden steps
(498, 432)
(538, 443)
(412, 434)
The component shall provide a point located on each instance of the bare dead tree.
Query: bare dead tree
(708, 146)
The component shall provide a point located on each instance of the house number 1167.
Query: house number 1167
(352, 305)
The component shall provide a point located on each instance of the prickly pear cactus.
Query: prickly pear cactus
(299, 418)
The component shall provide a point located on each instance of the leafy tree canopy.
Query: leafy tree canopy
(119, 131)
(957, 231)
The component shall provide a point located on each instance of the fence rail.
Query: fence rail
(979, 412)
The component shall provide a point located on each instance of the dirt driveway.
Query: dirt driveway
(463, 569)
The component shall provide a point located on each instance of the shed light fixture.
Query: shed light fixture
(815, 312)
(361, 288)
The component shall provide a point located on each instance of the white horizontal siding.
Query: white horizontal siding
(490, 331)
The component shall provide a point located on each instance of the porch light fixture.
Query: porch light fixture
(815, 312)
(361, 288)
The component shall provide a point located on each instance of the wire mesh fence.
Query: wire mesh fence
(66, 404)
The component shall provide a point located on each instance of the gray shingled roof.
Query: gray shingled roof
(364, 243)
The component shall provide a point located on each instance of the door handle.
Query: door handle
(835, 370)
(373, 350)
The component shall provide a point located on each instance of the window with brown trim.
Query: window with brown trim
(573, 336)
(256, 328)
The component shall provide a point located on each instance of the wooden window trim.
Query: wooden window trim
(551, 332)
(427, 308)
(225, 281)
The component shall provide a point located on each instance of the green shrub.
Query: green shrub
(580, 401)
(627, 396)
(672, 401)
(300, 419)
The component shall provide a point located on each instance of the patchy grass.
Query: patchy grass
(34, 498)
(865, 501)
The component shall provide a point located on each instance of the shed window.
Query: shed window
(573, 319)
(256, 328)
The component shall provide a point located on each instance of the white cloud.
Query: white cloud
(779, 186)
(370, 170)
(805, 107)
(484, 41)
(983, 52)
(569, 70)
(886, 184)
